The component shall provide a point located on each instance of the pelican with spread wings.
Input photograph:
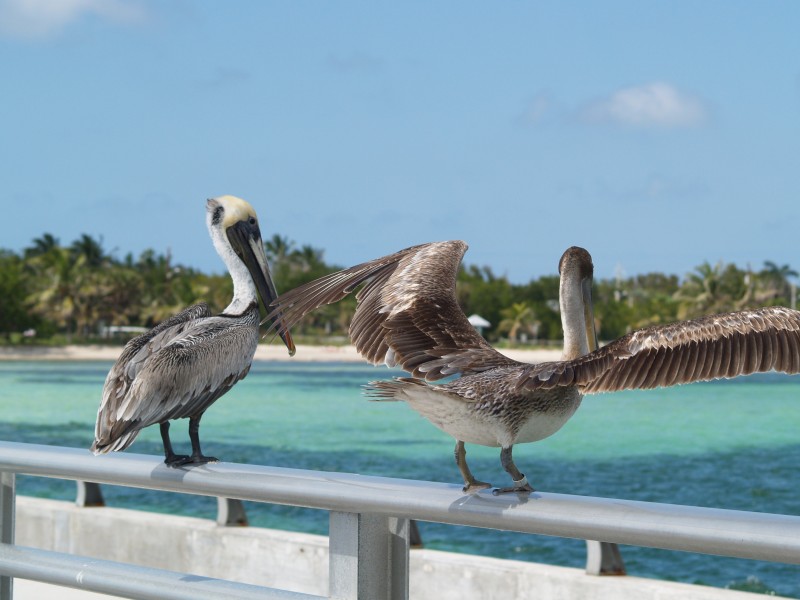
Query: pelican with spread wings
(408, 316)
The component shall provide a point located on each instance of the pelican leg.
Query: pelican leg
(172, 459)
(520, 481)
(471, 485)
(197, 457)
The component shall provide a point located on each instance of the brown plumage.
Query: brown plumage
(711, 347)
(408, 316)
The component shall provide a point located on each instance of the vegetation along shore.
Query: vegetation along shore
(55, 294)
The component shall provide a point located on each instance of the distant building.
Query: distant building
(478, 322)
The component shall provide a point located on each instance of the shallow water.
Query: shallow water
(730, 444)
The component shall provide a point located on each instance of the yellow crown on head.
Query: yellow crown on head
(236, 210)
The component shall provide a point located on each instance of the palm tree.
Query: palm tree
(701, 291)
(91, 249)
(776, 279)
(168, 288)
(517, 316)
(278, 248)
(308, 258)
(56, 284)
(42, 245)
(13, 289)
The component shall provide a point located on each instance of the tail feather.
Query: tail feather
(116, 445)
(389, 391)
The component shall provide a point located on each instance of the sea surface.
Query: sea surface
(727, 444)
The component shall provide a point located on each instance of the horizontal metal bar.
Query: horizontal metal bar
(127, 581)
(707, 530)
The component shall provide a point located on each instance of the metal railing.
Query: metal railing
(369, 523)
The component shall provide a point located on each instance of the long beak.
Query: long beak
(247, 244)
(588, 313)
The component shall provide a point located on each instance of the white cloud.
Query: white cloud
(43, 18)
(655, 104)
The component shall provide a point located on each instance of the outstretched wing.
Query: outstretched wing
(407, 312)
(712, 347)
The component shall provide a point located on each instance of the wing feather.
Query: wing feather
(132, 358)
(406, 314)
(179, 372)
(713, 347)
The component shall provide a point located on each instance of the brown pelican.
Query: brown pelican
(184, 364)
(407, 315)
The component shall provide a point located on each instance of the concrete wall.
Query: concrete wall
(299, 562)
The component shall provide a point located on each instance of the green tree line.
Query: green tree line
(69, 293)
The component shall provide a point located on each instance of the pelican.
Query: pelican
(183, 365)
(407, 315)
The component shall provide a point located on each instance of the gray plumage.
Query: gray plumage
(408, 315)
(174, 371)
(184, 364)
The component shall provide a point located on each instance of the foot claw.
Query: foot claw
(201, 460)
(506, 490)
(180, 460)
(519, 486)
(474, 487)
(177, 460)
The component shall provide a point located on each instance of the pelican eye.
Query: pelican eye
(252, 220)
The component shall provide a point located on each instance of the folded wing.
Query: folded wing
(175, 370)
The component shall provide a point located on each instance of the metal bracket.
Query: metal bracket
(89, 494)
(230, 512)
(414, 535)
(8, 502)
(603, 558)
(369, 557)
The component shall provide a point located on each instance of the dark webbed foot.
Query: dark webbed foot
(475, 486)
(520, 485)
(176, 460)
(197, 457)
(202, 459)
(180, 460)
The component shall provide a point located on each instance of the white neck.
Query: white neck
(573, 320)
(244, 290)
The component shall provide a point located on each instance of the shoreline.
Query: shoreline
(265, 352)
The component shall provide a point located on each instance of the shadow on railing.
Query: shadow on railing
(369, 523)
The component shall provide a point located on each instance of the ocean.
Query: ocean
(727, 444)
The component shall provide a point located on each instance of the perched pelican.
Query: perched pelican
(183, 365)
(407, 315)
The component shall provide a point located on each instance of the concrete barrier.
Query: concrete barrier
(299, 562)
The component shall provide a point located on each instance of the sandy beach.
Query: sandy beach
(265, 352)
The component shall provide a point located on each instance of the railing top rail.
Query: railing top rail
(129, 581)
(707, 530)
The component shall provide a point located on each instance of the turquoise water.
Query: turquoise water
(730, 444)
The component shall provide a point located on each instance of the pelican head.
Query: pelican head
(234, 229)
(575, 294)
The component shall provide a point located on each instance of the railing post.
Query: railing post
(89, 494)
(369, 556)
(603, 558)
(7, 516)
(230, 512)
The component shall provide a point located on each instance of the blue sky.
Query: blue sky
(657, 135)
